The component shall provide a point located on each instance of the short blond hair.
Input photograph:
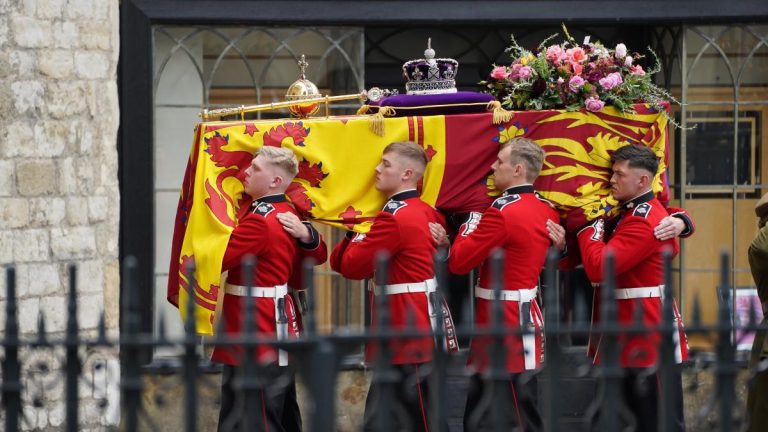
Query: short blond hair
(529, 153)
(282, 158)
(411, 151)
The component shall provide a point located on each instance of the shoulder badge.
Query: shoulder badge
(264, 209)
(504, 201)
(471, 224)
(393, 206)
(642, 210)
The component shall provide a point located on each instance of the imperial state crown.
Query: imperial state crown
(430, 75)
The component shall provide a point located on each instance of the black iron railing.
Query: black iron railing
(317, 357)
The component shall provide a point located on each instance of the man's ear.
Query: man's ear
(407, 174)
(519, 170)
(645, 180)
(277, 181)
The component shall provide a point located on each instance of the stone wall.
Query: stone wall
(59, 197)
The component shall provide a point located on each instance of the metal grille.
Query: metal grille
(75, 372)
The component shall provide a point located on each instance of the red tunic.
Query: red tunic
(402, 230)
(638, 263)
(516, 223)
(260, 234)
(690, 226)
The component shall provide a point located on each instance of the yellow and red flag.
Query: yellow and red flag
(337, 157)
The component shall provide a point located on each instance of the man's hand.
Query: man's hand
(595, 230)
(669, 228)
(556, 234)
(438, 234)
(293, 225)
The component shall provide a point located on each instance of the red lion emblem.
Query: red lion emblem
(188, 262)
(297, 193)
(222, 158)
(296, 131)
(237, 161)
(311, 173)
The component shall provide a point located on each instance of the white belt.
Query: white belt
(275, 293)
(428, 286)
(520, 295)
(640, 292)
(244, 291)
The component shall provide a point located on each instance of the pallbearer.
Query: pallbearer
(261, 234)
(517, 223)
(401, 230)
(640, 283)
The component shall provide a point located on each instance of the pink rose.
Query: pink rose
(594, 104)
(611, 80)
(576, 55)
(514, 73)
(576, 83)
(499, 73)
(637, 70)
(555, 54)
(621, 51)
(577, 68)
(524, 72)
(628, 61)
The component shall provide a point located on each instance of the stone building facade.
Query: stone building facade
(59, 198)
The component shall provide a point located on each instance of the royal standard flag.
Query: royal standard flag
(335, 183)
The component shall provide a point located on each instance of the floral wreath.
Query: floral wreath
(575, 76)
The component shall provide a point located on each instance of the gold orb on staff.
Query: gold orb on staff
(302, 88)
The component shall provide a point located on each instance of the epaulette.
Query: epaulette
(642, 210)
(263, 209)
(393, 206)
(548, 202)
(505, 200)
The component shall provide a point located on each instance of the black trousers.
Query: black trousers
(274, 407)
(511, 406)
(641, 393)
(408, 407)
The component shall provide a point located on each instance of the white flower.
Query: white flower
(628, 61)
(621, 51)
(600, 51)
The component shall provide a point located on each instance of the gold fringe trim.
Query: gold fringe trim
(363, 109)
(376, 121)
(500, 115)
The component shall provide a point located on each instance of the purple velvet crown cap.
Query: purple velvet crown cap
(430, 75)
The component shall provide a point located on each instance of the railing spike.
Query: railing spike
(73, 365)
(42, 332)
(11, 383)
(696, 312)
(102, 330)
